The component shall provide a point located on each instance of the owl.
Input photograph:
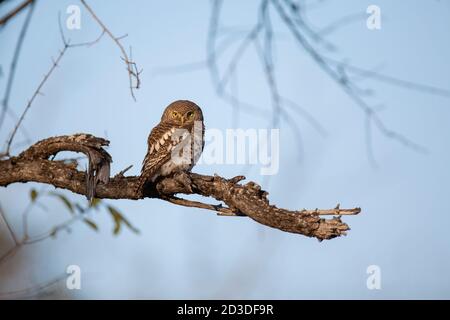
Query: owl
(175, 144)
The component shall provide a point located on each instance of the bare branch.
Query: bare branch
(15, 11)
(16, 55)
(121, 173)
(8, 226)
(32, 291)
(241, 199)
(35, 94)
(132, 69)
(341, 79)
(391, 80)
(221, 210)
(38, 91)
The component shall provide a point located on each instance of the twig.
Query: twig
(55, 64)
(224, 211)
(300, 19)
(305, 115)
(336, 70)
(32, 291)
(26, 135)
(295, 22)
(10, 230)
(212, 58)
(332, 212)
(10, 253)
(35, 94)
(12, 71)
(131, 66)
(392, 80)
(28, 239)
(23, 241)
(15, 12)
(343, 82)
(53, 231)
(121, 173)
(221, 210)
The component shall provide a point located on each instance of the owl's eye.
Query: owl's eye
(190, 114)
(174, 114)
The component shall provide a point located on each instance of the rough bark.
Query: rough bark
(35, 164)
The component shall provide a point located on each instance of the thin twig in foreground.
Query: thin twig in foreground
(132, 69)
(32, 291)
(219, 208)
(12, 72)
(8, 226)
(15, 12)
(35, 94)
(67, 45)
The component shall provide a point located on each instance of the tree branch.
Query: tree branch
(15, 11)
(241, 199)
(133, 72)
(14, 62)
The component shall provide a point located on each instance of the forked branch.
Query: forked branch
(133, 72)
(239, 199)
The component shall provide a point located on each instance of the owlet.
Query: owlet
(175, 144)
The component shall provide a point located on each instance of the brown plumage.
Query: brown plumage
(175, 144)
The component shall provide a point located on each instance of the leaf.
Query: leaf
(119, 219)
(53, 232)
(95, 203)
(64, 200)
(33, 194)
(129, 225)
(91, 224)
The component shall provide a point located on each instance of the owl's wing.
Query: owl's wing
(160, 145)
(159, 149)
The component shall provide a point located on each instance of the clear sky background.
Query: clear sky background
(191, 253)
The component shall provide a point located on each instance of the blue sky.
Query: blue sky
(190, 253)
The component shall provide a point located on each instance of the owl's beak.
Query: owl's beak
(182, 120)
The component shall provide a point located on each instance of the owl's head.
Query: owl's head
(182, 113)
